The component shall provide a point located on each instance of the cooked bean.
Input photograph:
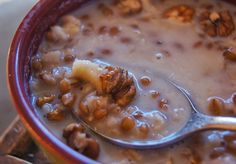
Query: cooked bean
(144, 128)
(100, 113)
(57, 114)
(114, 31)
(145, 80)
(216, 106)
(127, 123)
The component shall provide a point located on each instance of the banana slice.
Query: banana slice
(88, 71)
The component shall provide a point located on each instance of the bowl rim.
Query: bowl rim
(18, 96)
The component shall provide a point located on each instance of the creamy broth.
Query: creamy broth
(146, 44)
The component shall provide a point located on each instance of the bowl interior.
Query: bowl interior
(24, 45)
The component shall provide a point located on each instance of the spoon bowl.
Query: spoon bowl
(196, 122)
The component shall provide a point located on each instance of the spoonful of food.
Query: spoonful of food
(196, 121)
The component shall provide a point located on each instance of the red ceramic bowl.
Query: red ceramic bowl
(24, 45)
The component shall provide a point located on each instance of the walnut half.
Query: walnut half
(79, 140)
(113, 81)
(181, 13)
(127, 7)
(118, 83)
(217, 23)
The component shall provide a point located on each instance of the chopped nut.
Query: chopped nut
(65, 86)
(57, 114)
(127, 7)
(69, 55)
(145, 80)
(217, 23)
(37, 64)
(79, 140)
(216, 106)
(45, 99)
(47, 78)
(106, 11)
(119, 84)
(68, 99)
(127, 123)
(230, 54)
(182, 13)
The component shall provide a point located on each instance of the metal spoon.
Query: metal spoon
(197, 122)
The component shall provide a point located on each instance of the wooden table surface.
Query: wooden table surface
(16, 146)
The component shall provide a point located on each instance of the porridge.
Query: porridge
(107, 62)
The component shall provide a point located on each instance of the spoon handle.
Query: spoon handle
(205, 122)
